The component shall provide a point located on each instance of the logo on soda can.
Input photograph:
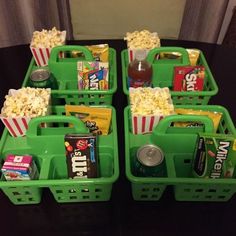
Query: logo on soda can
(150, 161)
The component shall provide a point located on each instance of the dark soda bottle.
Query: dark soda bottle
(139, 71)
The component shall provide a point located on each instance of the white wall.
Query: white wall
(111, 19)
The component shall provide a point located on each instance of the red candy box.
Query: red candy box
(189, 78)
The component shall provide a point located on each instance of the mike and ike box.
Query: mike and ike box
(215, 156)
(81, 155)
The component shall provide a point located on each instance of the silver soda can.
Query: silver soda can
(150, 162)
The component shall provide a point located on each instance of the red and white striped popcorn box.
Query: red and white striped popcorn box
(144, 124)
(41, 55)
(17, 126)
(142, 99)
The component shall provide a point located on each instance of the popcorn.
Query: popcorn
(142, 40)
(21, 106)
(47, 38)
(148, 107)
(42, 43)
(151, 101)
(28, 101)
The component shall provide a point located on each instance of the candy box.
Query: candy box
(21, 106)
(19, 168)
(81, 155)
(93, 75)
(42, 43)
(215, 156)
(189, 78)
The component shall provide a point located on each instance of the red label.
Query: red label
(189, 78)
(138, 83)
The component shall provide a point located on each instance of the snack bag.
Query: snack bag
(193, 56)
(192, 53)
(189, 78)
(100, 52)
(93, 75)
(97, 119)
(170, 55)
(215, 156)
(213, 115)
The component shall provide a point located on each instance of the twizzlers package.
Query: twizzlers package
(189, 78)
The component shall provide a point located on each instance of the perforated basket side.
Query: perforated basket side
(81, 193)
(23, 195)
(204, 192)
(147, 191)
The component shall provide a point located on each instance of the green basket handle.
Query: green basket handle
(78, 124)
(151, 57)
(65, 48)
(165, 123)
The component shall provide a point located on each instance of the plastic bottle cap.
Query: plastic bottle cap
(140, 55)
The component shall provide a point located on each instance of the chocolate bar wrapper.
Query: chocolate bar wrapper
(215, 156)
(81, 155)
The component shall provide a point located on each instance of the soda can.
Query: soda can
(150, 161)
(40, 78)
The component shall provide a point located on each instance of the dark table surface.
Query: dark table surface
(122, 215)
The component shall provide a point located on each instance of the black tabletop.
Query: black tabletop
(122, 215)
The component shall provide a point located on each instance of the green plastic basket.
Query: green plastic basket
(64, 73)
(163, 73)
(178, 145)
(46, 145)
